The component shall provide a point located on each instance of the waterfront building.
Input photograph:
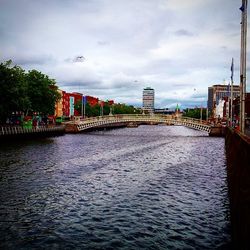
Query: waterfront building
(236, 109)
(92, 101)
(77, 101)
(148, 99)
(66, 106)
(59, 105)
(217, 93)
(65, 103)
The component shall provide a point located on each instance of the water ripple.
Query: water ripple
(152, 187)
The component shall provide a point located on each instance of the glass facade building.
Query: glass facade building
(218, 92)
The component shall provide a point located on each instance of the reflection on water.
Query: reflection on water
(152, 187)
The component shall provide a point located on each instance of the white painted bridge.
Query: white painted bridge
(113, 120)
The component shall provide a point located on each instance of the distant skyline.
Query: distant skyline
(113, 49)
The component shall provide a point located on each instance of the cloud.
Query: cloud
(113, 49)
(183, 32)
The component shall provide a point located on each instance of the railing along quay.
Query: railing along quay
(41, 130)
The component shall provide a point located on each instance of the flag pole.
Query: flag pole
(82, 107)
(243, 9)
(85, 99)
(231, 101)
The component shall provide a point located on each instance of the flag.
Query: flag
(84, 99)
(243, 6)
(232, 69)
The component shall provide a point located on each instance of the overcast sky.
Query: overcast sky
(112, 49)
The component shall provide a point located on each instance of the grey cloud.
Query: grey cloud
(183, 32)
(103, 43)
(82, 84)
(118, 36)
(75, 59)
(24, 60)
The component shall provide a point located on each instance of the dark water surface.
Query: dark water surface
(152, 187)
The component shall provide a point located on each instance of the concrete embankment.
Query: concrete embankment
(238, 169)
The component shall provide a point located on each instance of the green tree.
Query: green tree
(13, 90)
(24, 92)
(42, 92)
(195, 113)
(121, 108)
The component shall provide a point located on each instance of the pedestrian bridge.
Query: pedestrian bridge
(118, 120)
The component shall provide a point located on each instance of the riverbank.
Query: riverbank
(238, 170)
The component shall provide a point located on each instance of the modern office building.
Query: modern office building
(218, 92)
(148, 100)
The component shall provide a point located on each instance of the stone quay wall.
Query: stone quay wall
(238, 172)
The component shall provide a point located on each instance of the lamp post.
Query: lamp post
(243, 9)
(101, 103)
(83, 106)
(111, 109)
(201, 114)
(231, 98)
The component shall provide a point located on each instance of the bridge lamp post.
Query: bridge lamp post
(201, 115)
(111, 109)
(101, 108)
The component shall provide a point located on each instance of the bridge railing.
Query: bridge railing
(136, 117)
(92, 122)
(122, 117)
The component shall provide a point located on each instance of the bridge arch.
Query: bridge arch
(112, 120)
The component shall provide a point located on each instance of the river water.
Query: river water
(151, 187)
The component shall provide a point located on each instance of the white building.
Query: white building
(148, 100)
(219, 109)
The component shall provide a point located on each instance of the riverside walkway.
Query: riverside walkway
(113, 120)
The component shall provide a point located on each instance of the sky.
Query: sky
(112, 49)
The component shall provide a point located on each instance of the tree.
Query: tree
(13, 90)
(24, 92)
(121, 108)
(42, 92)
(195, 113)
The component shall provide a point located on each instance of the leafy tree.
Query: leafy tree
(24, 92)
(42, 92)
(195, 113)
(13, 90)
(125, 109)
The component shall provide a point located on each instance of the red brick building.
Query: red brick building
(92, 101)
(65, 103)
(68, 107)
(111, 102)
(77, 100)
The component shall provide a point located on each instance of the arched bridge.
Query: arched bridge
(113, 120)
